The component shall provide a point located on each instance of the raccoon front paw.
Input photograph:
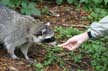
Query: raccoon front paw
(11, 56)
(30, 61)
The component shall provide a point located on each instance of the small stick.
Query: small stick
(80, 26)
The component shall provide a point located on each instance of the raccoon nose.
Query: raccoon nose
(49, 40)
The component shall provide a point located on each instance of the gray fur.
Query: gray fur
(17, 30)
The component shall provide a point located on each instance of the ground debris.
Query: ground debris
(65, 15)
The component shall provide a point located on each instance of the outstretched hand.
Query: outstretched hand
(75, 41)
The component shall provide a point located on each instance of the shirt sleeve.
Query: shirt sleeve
(99, 29)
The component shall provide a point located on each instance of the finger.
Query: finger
(59, 45)
(70, 44)
(68, 48)
(65, 49)
(65, 44)
(73, 48)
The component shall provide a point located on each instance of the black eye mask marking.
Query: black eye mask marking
(38, 34)
(39, 31)
(48, 40)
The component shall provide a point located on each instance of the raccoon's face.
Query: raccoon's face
(44, 35)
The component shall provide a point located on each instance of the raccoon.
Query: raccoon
(17, 30)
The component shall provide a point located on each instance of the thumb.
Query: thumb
(73, 48)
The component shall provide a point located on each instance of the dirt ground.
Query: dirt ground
(64, 15)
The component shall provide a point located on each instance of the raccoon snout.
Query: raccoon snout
(49, 40)
(53, 43)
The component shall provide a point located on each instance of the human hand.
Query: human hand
(75, 41)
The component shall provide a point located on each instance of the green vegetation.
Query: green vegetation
(95, 49)
(26, 7)
(96, 8)
(39, 67)
(96, 52)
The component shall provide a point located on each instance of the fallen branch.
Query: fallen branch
(80, 26)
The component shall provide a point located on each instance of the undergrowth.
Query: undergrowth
(96, 8)
(94, 50)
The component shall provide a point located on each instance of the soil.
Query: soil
(64, 15)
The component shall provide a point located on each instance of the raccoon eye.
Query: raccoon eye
(44, 32)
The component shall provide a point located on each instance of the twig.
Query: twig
(80, 26)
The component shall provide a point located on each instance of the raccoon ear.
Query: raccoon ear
(48, 24)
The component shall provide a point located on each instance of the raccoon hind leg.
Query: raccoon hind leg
(10, 49)
(24, 50)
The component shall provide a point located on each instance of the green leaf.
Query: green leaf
(14, 2)
(26, 11)
(22, 10)
(70, 1)
(31, 5)
(97, 10)
(39, 65)
(5, 2)
(24, 5)
(36, 11)
(11, 4)
(105, 1)
(96, 1)
(81, 1)
(59, 2)
(45, 10)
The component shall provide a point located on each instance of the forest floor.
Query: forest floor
(64, 15)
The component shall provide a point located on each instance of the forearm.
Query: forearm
(84, 37)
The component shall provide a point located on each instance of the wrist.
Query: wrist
(85, 36)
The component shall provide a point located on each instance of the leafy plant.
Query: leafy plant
(29, 9)
(94, 49)
(98, 54)
(52, 57)
(26, 6)
(45, 10)
(70, 1)
(97, 14)
(59, 2)
(39, 66)
(97, 8)
(66, 32)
